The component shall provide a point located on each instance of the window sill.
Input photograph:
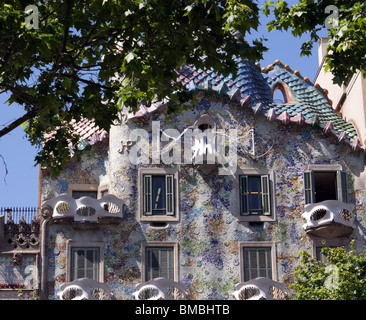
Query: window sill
(161, 218)
(255, 218)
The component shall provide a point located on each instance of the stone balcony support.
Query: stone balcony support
(329, 219)
(260, 289)
(85, 289)
(86, 211)
(160, 289)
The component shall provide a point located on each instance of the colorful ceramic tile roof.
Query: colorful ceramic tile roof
(253, 87)
(89, 132)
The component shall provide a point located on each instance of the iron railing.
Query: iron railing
(17, 213)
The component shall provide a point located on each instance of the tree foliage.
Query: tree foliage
(346, 24)
(116, 51)
(343, 277)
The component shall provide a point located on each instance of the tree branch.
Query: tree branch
(6, 168)
(86, 81)
(29, 115)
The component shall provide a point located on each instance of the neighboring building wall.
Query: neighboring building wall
(349, 99)
(208, 237)
(354, 105)
(19, 253)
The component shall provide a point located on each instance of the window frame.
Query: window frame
(167, 172)
(85, 187)
(271, 194)
(258, 244)
(159, 244)
(318, 244)
(309, 182)
(71, 244)
(96, 264)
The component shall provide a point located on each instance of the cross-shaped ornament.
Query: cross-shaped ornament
(125, 144)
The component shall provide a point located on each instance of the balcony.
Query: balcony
(204, 148)
(160, 289)
(329, 219)
(85, 289)
(260, 289)
(85, 212)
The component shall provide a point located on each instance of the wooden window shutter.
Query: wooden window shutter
(266, 203)
(309, 187)
(257, 263)
(244, 200)
(169, 191)
(147, 194)
(342, 186)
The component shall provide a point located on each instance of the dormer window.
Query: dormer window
(280, 94)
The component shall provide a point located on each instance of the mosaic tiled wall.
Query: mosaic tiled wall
(11, 274)
(208, 233)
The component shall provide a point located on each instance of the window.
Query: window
(159, 260)
(255, 190)
(257, 260)
(318, 245)
(325, 185)
(321, 256)
(83, 190)
(257, 263)
(254, 195)
(159, 192)
(79, 194)
(279, 96)
(159, 263)
(85, 263)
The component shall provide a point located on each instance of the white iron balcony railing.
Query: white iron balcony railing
(85, 208)
(260, 289)
(329, 219)
(160, 289)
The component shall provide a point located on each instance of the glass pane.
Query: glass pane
(80, 259)
(79, 194)
(159, 263)
(85, 263)
(254, 184)
(158, 195)
(257, 263)
(255, 196)
(155, 258)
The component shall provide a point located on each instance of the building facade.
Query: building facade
(232, 188)
(348, 99)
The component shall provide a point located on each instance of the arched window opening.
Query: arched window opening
(279, 94)
(204, 126)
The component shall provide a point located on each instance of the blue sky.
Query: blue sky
(21, 183)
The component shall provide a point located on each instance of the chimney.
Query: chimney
(322, 49)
